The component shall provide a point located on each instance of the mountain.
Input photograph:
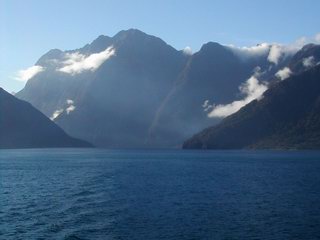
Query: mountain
(213, 74)
(287, 117)
(22, 126)
(133, 90)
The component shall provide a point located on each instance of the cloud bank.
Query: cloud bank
(26, 74)
(248, 52)
(273, 51)
(76, 63)
(252, 89)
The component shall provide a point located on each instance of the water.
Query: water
(100, 194)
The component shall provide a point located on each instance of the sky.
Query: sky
(30, 28)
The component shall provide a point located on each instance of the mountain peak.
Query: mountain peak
(130, 31)
(133, 34)
(211, 45)
(100, 39)
(51, 54)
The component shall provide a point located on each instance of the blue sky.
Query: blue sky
(30, 28)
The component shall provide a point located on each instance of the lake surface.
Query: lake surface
(145, 195)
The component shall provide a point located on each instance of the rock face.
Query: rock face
(133, 90)
(22, 126)
(287, 117)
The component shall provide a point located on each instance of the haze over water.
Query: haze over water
(100, 194)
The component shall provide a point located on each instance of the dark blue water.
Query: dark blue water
(99, 194)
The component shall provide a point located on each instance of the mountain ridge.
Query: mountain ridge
(144, 93)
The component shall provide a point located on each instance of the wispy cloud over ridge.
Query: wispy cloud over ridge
(26, 74)
(249, 52)
(273, 51)
(56, 114)
(76, 63)
(252, 89)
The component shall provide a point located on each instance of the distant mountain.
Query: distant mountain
(133, 90)
(22, 126)
(287, 117)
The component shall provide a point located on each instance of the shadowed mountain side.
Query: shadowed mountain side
(123, 96)
(214, 73)
(288, 117)
(22, 126)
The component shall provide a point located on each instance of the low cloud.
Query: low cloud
(68, 108)
(249, 52)
(284, 73)
(252, 89)
(279, 52)
(56, 114)
(308, 62)
(187, 50)
(273, 51)
(317, 38)
(276, 52)
(76, 63)
(26, 74)
(207, 106)
(70, 102)
(71, 107)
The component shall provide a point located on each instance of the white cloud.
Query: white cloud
(56, 114)
(26, 74)
(70, 102)
(187, 50)
(308, 62)
(76, 63)
(248, 52)
(252, 89)
(317, 38)
(207, 106)
(70, 106)
(70, 109)
(276, 51)
(273, 51)
(283, 73)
